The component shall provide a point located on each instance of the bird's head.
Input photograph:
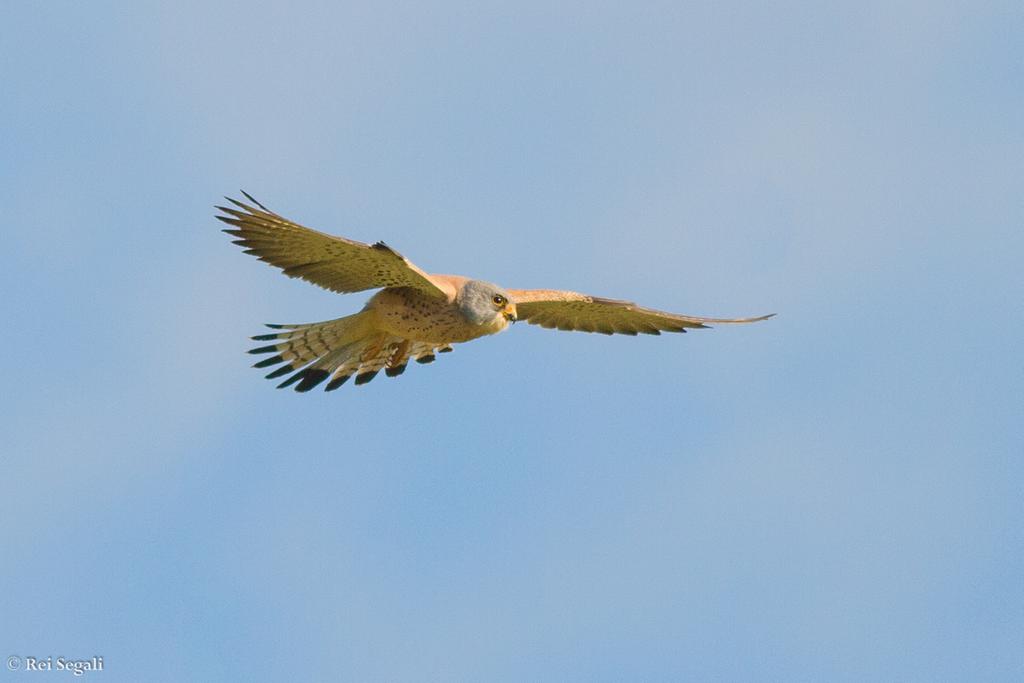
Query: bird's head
(483, 303)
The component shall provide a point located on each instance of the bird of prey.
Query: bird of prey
(415, 315)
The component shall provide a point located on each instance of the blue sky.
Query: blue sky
(835, 494)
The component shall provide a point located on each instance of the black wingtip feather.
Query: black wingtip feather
(273, 360)
(395, 371)
(254, 201)
(292, 380)
(366, 377)
(240, 205)
(423, 360)
(336, 382)
(265, 349)
(283, 370)
(311, 378)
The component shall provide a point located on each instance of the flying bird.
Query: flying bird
(415, 314)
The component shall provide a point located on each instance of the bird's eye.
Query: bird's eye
(499, 300)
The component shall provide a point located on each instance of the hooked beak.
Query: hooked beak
(510, 313)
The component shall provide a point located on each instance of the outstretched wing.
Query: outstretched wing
(334, 263)
(562, 310)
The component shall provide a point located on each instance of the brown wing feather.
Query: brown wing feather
(563, 310)
(334, 263)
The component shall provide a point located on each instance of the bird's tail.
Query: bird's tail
(338, 349)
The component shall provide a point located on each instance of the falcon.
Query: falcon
(415, 315)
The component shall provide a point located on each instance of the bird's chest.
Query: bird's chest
(409, 315)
